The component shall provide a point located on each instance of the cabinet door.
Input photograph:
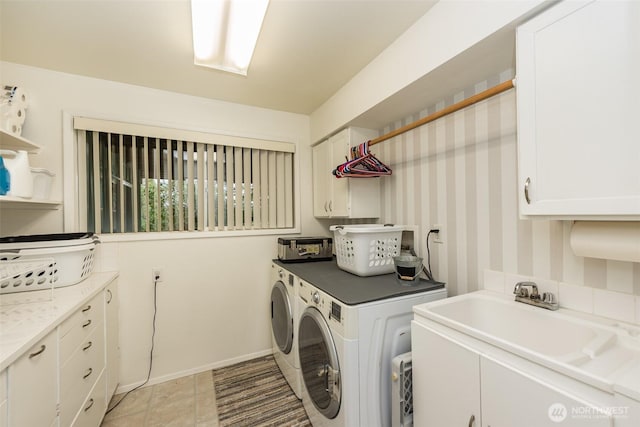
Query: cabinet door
(112, 332)
(32, 396)
(446, 381)
(510, 398)
(339, 200)
(578, 97)
(320, 155)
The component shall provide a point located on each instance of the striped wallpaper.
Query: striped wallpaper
(460, 172)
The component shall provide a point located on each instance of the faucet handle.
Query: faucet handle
(549, 298)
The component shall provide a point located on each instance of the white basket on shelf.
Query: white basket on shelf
(367, 249)
(73, 256)
(26, 275)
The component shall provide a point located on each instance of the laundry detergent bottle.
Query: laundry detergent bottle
(5, 178)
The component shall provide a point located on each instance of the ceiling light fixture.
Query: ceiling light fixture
(225, 32)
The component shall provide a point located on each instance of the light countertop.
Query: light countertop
(27, 317)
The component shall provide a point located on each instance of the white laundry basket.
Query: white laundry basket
(367, 249)
(73, 254)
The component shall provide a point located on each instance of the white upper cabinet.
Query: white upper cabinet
(343, 197)
(578, 99)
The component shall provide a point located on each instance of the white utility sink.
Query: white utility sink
(589, 348)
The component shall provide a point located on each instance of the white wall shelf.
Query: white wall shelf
(12, 202)
(13, 142)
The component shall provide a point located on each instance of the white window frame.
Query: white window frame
(72, 176)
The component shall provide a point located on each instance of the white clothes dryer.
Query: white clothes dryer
(346, 350)
(284, 325)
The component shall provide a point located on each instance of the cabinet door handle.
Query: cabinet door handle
(325, 207)
(87, 308)
(89, 405)
(526, 190)
(88, 346)
(87, 323)
(110, 296)
(472, 420)
(39, 352)
(330, 205)
(89, 372)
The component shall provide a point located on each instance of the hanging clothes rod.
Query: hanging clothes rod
(495, 90)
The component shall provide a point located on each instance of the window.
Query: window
(148, 179)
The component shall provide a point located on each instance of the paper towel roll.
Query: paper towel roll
(13, 111)
(618, 241)
(11, 125)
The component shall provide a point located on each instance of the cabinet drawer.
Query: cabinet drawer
(32, 384)
(75, 329)
(93, 408)
(79, 374)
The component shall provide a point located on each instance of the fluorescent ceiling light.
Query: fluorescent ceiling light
(225, 32)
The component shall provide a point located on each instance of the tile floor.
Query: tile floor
(184, 402)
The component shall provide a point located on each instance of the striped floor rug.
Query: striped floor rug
(254, 393)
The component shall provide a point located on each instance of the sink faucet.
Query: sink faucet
(521, 290)
(522, 294)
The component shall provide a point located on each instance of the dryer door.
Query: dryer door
(319, 362)
(281, 317)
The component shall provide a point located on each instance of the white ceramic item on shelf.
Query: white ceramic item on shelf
(42, 179)
(17, 162)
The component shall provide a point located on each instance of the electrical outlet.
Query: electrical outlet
(439, 236)
(157, 275)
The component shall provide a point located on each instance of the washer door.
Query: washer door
(319, 362)
(281, 317)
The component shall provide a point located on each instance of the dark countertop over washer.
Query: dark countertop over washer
(352, 289)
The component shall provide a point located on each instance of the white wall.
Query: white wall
(213, 303)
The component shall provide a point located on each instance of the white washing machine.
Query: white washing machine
(346, 352)
(284, 325)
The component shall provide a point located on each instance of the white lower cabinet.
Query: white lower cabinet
(68, 377)
(111, 332)
(454, 384)
(94, 406)
(82, 358)
(446, 388)
(32, 394)
(511, 398)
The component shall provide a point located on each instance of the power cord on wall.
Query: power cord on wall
(153, 334)
(427, 269)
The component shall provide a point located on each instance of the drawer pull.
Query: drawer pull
(87, 308)
(110, 296)
(89, 405)
(89, 371)
(39, 352)
(87, 323)
(88, 346)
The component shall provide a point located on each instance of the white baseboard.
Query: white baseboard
(216, 365)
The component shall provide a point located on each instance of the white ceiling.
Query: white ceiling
(307, 49)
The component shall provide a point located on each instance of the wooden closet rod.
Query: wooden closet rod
(448, 110)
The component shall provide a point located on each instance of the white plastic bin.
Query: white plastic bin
(42, 180)
(367, 249)
(73, 253)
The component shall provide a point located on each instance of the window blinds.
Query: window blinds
(146, 179)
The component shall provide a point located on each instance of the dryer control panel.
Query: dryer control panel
(332, 310)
